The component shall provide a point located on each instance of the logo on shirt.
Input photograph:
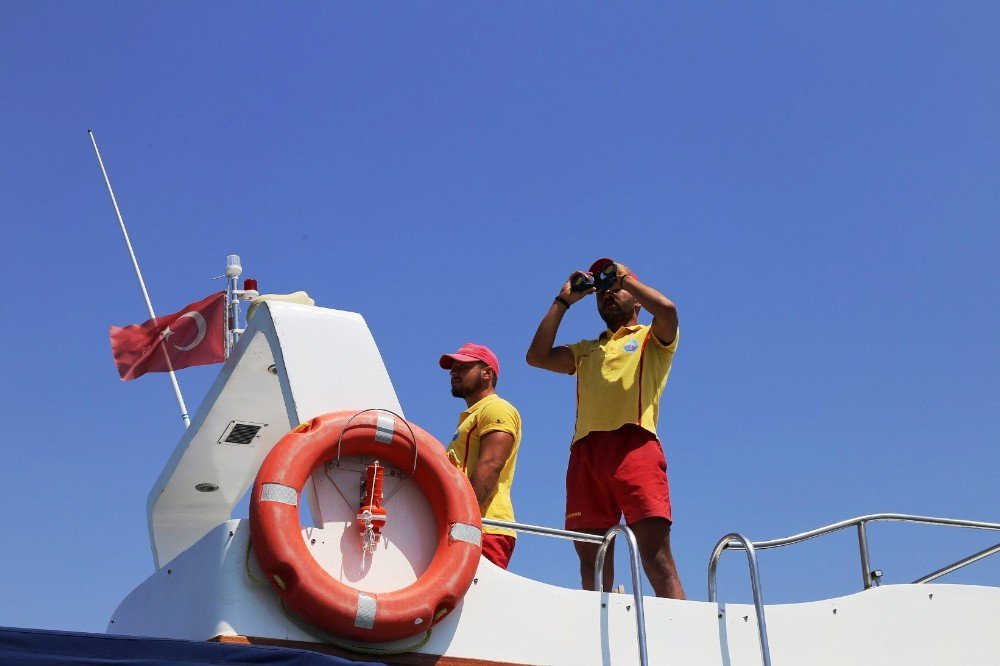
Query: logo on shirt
(455, 436)
(631, 345)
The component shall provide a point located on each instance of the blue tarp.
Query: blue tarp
(36, 646)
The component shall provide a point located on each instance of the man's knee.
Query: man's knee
(652, 532)
(652, 535)
(659, 560)
(586, 564)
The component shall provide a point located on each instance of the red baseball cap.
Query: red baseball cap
(472, 352)
(602, 263)
(599, 265)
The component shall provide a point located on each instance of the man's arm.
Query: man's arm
(542, 353)
(664, 311)
(494, 449)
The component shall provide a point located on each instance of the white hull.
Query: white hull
(505, 618)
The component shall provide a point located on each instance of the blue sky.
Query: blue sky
(814, 185)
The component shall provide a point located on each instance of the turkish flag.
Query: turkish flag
(193, 336)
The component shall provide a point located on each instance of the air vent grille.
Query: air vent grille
(241, 433)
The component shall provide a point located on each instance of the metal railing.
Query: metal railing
(633, 552)
(738, 541)
(604, 542)
(986, 552)
(860, 522)
(758, 597)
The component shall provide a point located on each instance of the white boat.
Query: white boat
(295, 363)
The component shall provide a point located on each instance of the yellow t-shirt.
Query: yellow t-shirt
(619, 379)
(490, 414)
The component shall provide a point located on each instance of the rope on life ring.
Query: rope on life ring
(312, 594)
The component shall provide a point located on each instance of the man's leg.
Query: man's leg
(587, 552)
(589, 501)
(653, 537)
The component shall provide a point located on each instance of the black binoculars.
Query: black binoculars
(603, 274)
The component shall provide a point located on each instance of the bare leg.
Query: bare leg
(587, 552)
(653, 537)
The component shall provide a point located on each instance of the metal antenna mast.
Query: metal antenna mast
(138, 275)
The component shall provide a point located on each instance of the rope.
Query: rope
(370, 540)
(351, 647)
(246, 564)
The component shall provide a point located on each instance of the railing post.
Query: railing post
(758, 597)
(866, 567)
(633, 551)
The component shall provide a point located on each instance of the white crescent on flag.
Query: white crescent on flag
(200, 321)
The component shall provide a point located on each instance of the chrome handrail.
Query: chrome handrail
(735, 541)
(872, 518)
(633, 551)
(986, 552)
(758, 597)
(604, 542)
(860, 522)
(545, 531)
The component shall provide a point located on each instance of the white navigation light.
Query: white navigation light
(233, 267)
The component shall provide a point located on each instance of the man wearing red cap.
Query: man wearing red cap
(616, 464)
(485, 443)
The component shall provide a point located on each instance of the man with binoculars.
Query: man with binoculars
(616, 464)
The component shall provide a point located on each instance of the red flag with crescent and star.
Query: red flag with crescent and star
(193, 336)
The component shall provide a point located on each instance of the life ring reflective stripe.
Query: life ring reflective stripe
(309, 591)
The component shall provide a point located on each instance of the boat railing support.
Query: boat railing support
(866, 566)
(758, 597)
(604, 543)
(545, 531)
(633, 551)
(975, 557)
(738, 541)
(860, 524)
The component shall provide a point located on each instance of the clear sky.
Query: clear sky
(814, 184)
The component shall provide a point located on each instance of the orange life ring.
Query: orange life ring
(309, 591)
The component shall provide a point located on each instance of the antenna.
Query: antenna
(233, 296)
(233, 271)
(142, 283)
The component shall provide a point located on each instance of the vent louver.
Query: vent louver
(241, 433)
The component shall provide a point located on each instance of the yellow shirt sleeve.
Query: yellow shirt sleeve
(581, 348)
(672, 347)
(499, 416)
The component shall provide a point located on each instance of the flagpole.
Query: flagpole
(138, 274)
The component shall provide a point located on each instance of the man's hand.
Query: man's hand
(541, 353)
(621, 272)
(570, 296)
(664, 311)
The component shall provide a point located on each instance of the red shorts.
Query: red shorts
(616, 472)
(498, 548)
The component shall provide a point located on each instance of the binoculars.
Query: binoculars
(602, 275)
